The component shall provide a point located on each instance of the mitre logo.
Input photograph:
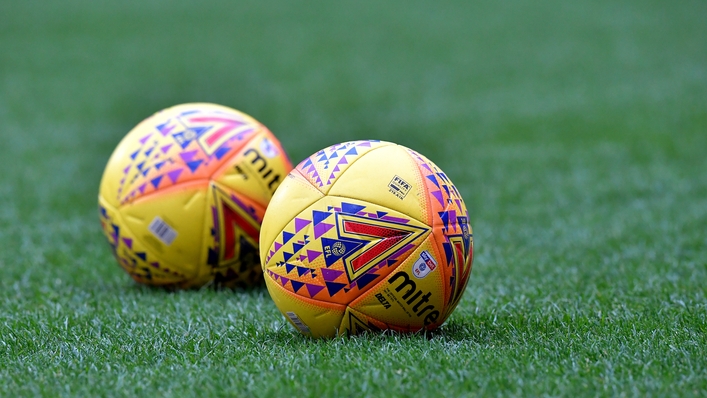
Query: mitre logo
(414, 297)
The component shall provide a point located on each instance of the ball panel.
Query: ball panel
(451, 230)
(389, 177)
(171, 223)
(231, 236)
(138, 259)
(311, 317)
(411, 297)
(179, 144)
(338, 248)
(354, 322)
(294, 195)
(325, 166)
(257, 169)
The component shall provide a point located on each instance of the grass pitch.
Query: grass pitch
(576, 132)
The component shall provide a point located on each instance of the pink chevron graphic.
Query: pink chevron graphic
(228, 126)
(313, 289)
(188, 156)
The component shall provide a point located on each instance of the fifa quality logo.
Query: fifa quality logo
(398, 187)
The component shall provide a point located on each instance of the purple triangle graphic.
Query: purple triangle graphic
(335, 170)
(313, 289)
(312, 255)
(321, 229)
(343, 161)
(174, 175)
(142, 188)
(438, 196)
(365, 144)
(128, 242)
(300, 223)
(164, 129)
(284, 280)
(188, 156)
(459, 203)
(330, 274)
(125, 170)
(278, 245)
(144, 139)
(166, 148)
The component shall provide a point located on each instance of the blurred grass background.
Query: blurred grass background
(575, 131)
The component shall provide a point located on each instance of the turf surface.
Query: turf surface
(576, 131)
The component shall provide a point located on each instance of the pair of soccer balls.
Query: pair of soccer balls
(360, 236)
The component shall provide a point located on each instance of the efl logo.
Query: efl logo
(268, 148)
(424, 265)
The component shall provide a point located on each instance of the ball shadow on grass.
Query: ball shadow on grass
(140, 288)
(486, 329)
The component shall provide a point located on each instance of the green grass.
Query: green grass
(576, 132)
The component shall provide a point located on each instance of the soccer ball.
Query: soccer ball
(366, 235)
(184, 193)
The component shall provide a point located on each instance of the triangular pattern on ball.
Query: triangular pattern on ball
(317, 168)
(352, 250)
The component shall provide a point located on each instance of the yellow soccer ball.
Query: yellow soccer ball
(183, 196)
(366, 235)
